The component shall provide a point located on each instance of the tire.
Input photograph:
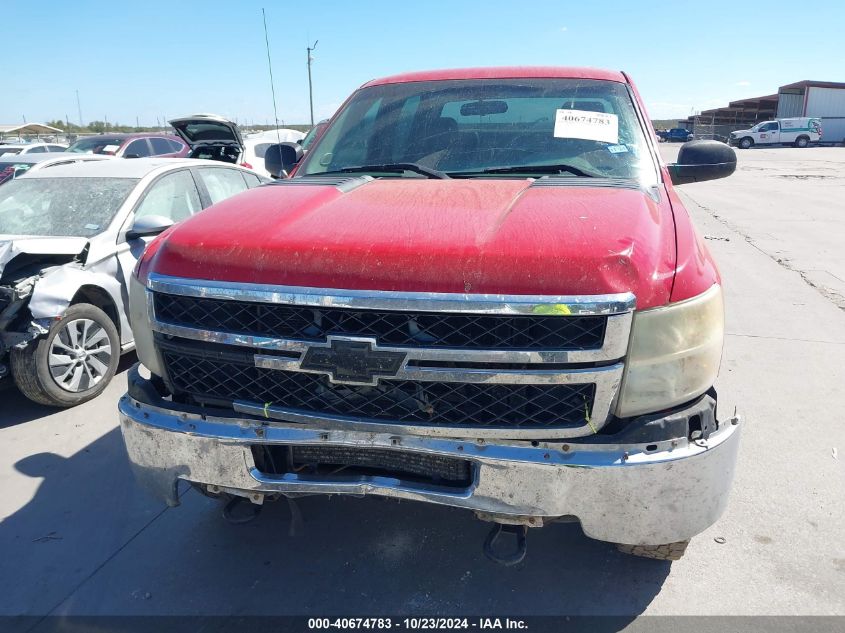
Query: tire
(746, 143)
(667, 551)
(802, 141)
(84, 349)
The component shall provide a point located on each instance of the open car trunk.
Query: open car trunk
(210, 137)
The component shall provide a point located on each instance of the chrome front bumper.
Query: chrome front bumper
(647, 494)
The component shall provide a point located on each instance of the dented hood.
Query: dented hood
(11, 246)
(559, 237)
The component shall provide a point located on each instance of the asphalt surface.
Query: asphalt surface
(78, 536)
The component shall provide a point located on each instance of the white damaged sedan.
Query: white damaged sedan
(69, 239)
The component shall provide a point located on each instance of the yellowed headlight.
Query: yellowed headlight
(674, 354)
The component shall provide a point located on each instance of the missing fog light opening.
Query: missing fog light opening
(331, 463)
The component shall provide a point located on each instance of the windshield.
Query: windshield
(96, 145)
(67, 207)
(10, 150)
(464, 127)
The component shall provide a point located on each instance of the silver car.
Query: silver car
(69, 239)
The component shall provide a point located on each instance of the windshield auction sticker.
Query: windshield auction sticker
(590, 126)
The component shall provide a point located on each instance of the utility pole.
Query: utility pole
(310, 90)
(79, 108)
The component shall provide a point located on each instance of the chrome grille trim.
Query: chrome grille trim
(614, 348)
(389, 300)
(537, 376)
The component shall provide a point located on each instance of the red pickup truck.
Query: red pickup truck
(478, 289)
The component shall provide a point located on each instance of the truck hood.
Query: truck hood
(561, 236)
(53, 249)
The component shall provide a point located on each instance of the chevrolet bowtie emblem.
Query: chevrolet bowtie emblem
(352, 362)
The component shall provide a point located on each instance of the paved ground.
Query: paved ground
(79, 538)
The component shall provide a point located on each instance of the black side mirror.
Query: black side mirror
(132, 156)
(280, 158)
(702, 160)
(148, 225)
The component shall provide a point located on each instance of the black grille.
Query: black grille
(220, 379)
(417, 329)
(332, 462)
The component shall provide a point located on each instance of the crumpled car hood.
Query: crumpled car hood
(493, 236)
(11, 246)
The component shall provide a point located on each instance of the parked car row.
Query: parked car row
(203, 136)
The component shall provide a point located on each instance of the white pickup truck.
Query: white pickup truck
(799, 132)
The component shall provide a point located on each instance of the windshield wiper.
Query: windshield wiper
(389, 167)
(529, 169)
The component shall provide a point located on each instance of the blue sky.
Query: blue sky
(155, 59)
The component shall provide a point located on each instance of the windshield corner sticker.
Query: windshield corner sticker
(617, 149)
(111, 148)
(590, 126)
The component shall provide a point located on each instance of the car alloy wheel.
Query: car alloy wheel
(80, 355)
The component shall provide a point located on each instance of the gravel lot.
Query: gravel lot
(79, 537)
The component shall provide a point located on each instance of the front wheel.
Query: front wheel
(802, 141)
(73, 363)
(667, 551)
(746, 143)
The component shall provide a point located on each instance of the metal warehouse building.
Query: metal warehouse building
(824, 99)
